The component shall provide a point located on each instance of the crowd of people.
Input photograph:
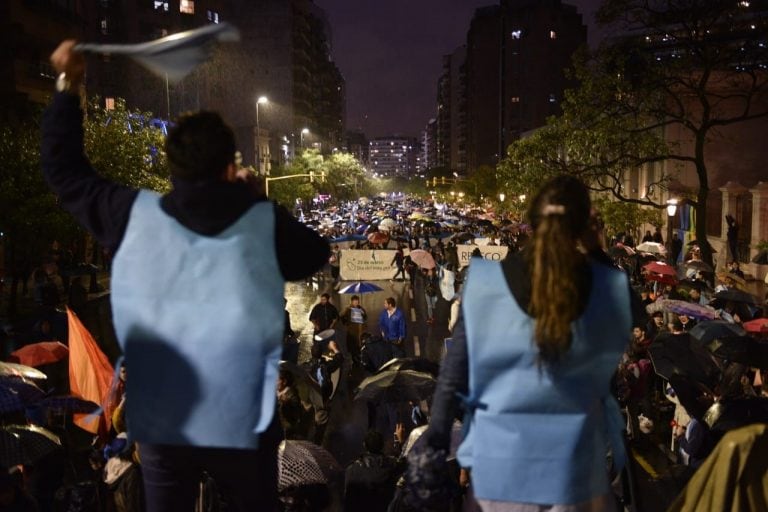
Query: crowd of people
(222, 411)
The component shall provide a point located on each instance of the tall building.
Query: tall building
(356, 144)
(394, 156)
(284, 54)
(517, 53)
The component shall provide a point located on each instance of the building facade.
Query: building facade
(284, 55)
(517, 54)
(394, 156)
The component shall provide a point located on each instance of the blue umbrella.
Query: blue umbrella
(360, 287)
(348, 238)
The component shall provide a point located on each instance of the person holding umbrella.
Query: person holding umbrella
(197, 284)
(528, 324)
(354, 318)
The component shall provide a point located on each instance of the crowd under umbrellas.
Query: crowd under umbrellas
(707, 342)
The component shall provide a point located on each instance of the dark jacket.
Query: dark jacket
(376, 352)
(323, 315)
(325, 367)
(369, 483)
(207, 208)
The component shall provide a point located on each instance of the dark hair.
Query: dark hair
(325, 296)
(373, 442)
(559, 214)
(391, 301)
(200, 146)
(354, 297)
(316, 350)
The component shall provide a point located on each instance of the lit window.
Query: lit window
(515, 99)
(109, 103)
(213, 16)
(104, 26)
(552, 98)
(517, 34)
(552, 34)
(161, 6)
(187, 7)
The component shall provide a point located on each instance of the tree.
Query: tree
(685, 66)
(697, 66)
(120, 144)
(620, 216)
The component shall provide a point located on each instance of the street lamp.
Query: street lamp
(304, 131)
(261, 101)
(671, 210)
(502, 197)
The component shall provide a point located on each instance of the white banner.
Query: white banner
(489, 252)
(367, 265)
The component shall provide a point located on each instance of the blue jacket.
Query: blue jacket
(541, 436)
(195, 316)
(392, 327)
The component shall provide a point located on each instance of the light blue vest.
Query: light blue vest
(200, 320)
(541, 436)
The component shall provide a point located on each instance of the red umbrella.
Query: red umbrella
(378, 237)
(756, 325)
(658, 267)
(38, 354)
(661, 278)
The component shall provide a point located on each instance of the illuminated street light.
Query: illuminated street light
(304, 131)
(502, 197)
(261, 101)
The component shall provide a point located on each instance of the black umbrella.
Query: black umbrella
(675, 354)
(70, 404)
(706, 332)
(698, 265)
(306, 386)
(736, 295)
(761, 258)
(694, 284)
(27, 390)
(304, 463)
(418, 364)
(394, 386)
(741, 349)
(463, 237)
(25, 444)
(734, 413)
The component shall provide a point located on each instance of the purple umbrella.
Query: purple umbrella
(690, 309)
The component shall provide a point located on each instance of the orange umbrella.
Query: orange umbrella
(38, 354)
(378, 237)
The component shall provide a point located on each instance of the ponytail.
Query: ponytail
(559, 214)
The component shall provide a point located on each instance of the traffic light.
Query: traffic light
(434, 182)
(322, 176)
(311, 176)
(442, 180)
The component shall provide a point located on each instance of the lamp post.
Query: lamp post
(502, 196)
(304, 131)
(671, 210)
(261, 101)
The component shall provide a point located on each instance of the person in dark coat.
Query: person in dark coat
(375, 352)
(324, 314)
(369, 482)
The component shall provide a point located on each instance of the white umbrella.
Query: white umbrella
(387, 224)
(652, 248)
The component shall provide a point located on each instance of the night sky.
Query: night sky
(390, 54)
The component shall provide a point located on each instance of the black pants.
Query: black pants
(248, 478)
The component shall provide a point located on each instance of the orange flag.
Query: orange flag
(90, 375)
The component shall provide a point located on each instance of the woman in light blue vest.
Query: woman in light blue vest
(538, 339)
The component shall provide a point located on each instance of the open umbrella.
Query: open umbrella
(698, 265)
(706, 332)
(396, 386)
(173, 56)
(38, 354)
(620, 251)
(418, 364)
(724, 276)
(10, 401)
(387, 224)
(422, 258)
(306, 386)
(691, 284)
(20, 370)
(659, 267)
(26, 444)
(741, 349)
(651, 247)
(761, 258)
(736, 295)
(304, 463)
(757, 325)
(675, 354)
(690, 309)
(360, 287)
(26, 390)
(378, 237)
(70, 404)
(463, 237)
